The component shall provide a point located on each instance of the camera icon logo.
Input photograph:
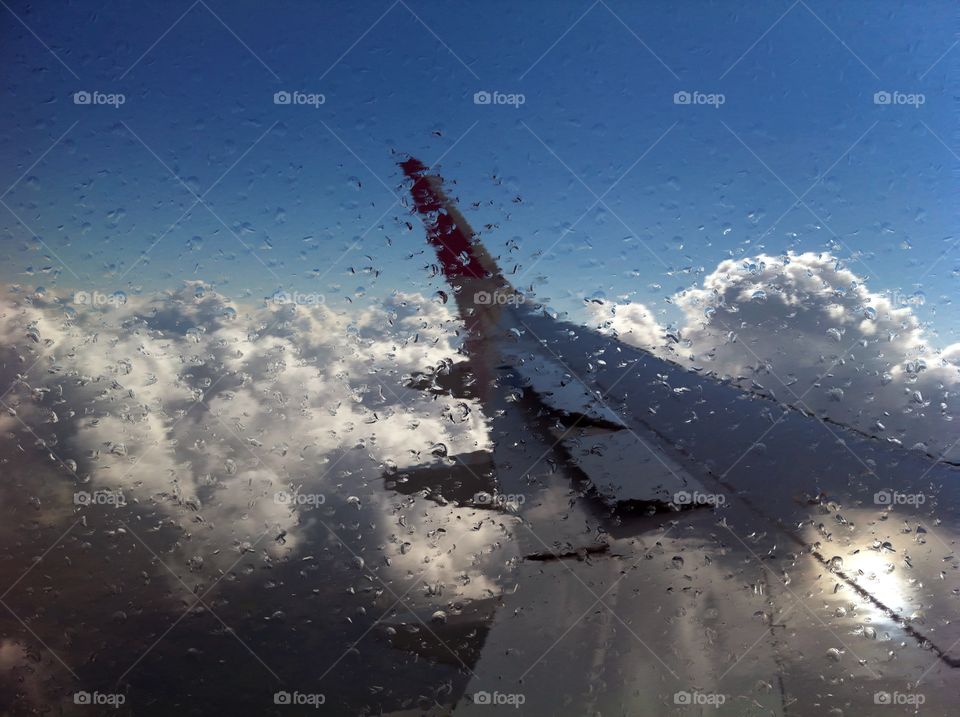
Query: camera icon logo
(481, 698)
(282, 698)
(106, 699)
(883, 497)
(82, 98)
(882, 97)
(282, 97)
(682, 98)
(82, 298)
(682, 698)
(482, 98)
(682, 498)
(882, 698)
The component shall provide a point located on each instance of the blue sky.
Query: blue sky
(290, 189)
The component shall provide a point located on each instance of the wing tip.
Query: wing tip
(413, 167)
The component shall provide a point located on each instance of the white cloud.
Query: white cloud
(806, 321)
(203, 411)
(633, 323)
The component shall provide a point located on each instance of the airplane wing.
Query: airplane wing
(680, 543)
(509, 347)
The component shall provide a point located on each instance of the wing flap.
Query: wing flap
(560, 391)
(626, 467)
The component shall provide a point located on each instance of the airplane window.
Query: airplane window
(417, 358)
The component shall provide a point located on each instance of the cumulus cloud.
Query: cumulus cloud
(806, 330)
(206, 410)
(633, 323)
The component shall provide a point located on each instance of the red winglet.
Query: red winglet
(447, 229)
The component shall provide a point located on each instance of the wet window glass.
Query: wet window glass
(479, 358)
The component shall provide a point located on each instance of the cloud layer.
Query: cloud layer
(207, 410)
